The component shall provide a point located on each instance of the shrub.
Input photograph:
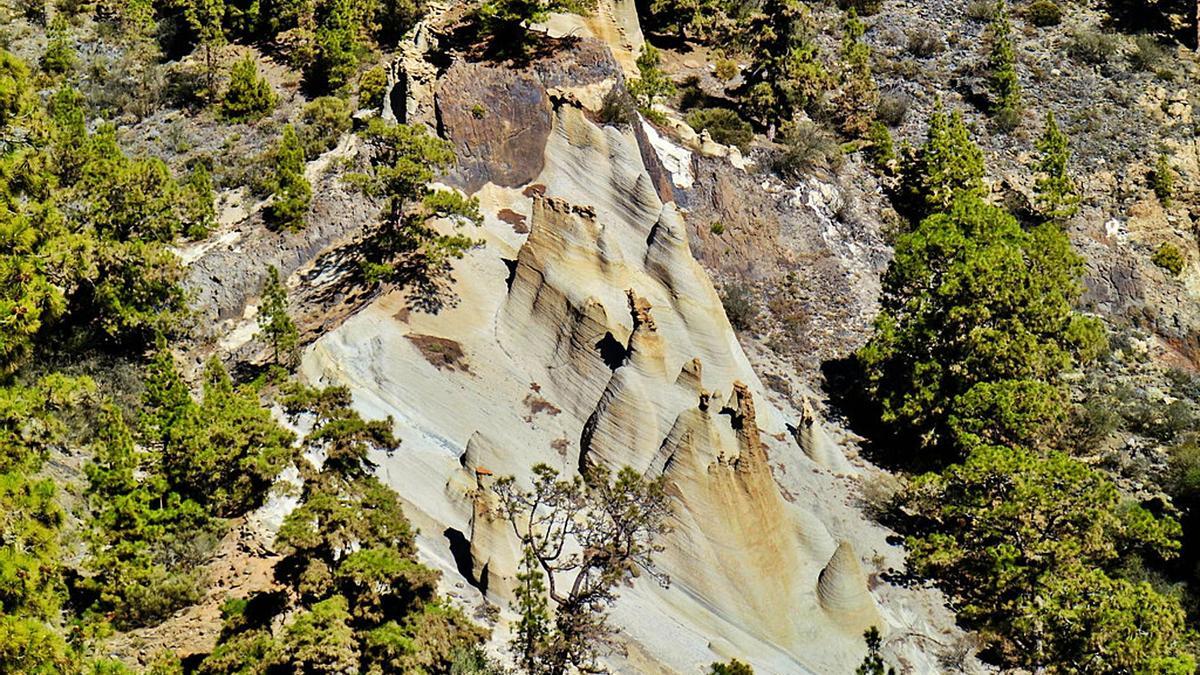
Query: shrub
(981, 10)
(739, 306)
(249, 95)
(372, 88)
(925, 42)
(1162, 179)
(1147, 54)
(1170, 258)
(723, 125)
(733, 667)
(806, 146)
(881, 151)
(291, 191)
(324, 121)
(652, 83)
(717, 228)
(726, 69)
(892, 108)
(60, 54)
(1092, 46)
(618, 107)
(862, 7)
(1183, 480)
(1043, 13)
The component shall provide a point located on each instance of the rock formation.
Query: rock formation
(597, 339)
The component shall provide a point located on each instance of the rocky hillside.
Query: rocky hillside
(454, 258)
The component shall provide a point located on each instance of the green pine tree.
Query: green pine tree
(198, 209)
(652, 83)
(872, 663)
(292, 192)
(1003, 83)
(1163, 179)
(882, 150)
(946, 166)
(787, 74)
(506, 22)
(339, 49)
(60, 53)
(533, 627)
(1054, 190)
(406, 158)
(859, 95)
(274, 323)
(204, 17)
(249, 95)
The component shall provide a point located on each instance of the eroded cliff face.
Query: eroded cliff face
(585, 333)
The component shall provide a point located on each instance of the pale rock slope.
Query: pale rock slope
(584, 333)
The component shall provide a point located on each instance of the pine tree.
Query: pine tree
(339, 49)
(274, 323)
(882, 150)
(531, 630)
(872, 663)
(1003, 82)
(165, 399)
(1055, 193)
(700, 19)
(204, 18)
(860, 94)
(405, 159)
(652, 82)
(292, 191)
(198, 209)
(60, 53)
(16, 90)
(977, 323)
(1163, 179)
(249, 95)
(946, 166)
(787, 74)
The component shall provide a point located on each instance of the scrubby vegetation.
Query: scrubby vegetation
(965, 373)
(88, 237)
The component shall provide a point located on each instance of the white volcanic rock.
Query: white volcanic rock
(815, 441)
(598, 339)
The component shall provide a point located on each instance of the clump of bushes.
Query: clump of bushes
(1147, 54)
(324, 120)
(723, 125)
(981, 10)
(862, 7)
(892, 108)
(618, 107)
(806, 146)
(1092, 46)
(726, 69)
(739, 307)
(372, 87)
(1170, 258)
(924, 43)
(1044, 13)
